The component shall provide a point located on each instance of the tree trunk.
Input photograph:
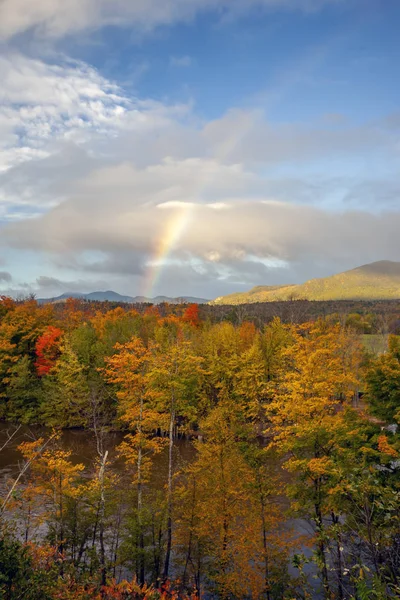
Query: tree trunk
(321, 551)
(103, 569)
(169, 505)
(140, 570)
(189, 548)
(61, 535)
(265, 545)
(116, 546)
(339, 565)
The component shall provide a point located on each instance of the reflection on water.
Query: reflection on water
(82, 445)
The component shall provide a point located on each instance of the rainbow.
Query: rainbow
(183, 211)
(174, 226)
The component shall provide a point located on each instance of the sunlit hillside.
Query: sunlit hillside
(375, 281)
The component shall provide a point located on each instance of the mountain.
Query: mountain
(375, 281)
(110, 296)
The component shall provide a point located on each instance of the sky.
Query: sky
(196, 147)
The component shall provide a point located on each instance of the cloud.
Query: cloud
(180, 61)
(57, 18)
(241, 236)
(61, 123)
(4, 276)
(41, 102)
(52, 285)
(246, 136)
(106, 186)
(125, 197)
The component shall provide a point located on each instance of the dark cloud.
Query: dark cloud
(45, 284)
(5, 276)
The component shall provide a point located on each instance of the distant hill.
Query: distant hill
(110, 296)
(376, 281)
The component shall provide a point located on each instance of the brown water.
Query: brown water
(82, 445)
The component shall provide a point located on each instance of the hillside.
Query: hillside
(110, 296)
(376, 281)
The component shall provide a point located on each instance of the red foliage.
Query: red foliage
(47, 349)
(191, 315)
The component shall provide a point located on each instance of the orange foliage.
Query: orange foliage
(45, 558)
(152, 311)
(385, 447)
(131, 590)
(73, 314)
(6, 305)
(247, 333)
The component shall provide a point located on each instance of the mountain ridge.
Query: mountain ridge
(379, 280)
(111, 296)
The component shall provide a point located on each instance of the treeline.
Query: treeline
(280, 437)
(367, 316)
(379, 317)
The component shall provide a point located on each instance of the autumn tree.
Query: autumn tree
(128, 370)
(191, 315)
(221, 347)
(308, 415)
(227, 532)
(66, 393)
(20, 326)
(174, 377)
(57, 480)
(365, 491)
(47, 349)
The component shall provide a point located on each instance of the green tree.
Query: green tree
(66, 397)
(383, 384)
(23, 392)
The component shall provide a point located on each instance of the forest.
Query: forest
(289, 485)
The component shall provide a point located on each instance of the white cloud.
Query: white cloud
(56, 120)
(41, 102)
(93, 168)
(115, 213)
(56, 18)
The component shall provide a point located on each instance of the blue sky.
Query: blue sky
(196, 146)
(295, 64)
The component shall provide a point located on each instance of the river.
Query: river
(82, 444)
